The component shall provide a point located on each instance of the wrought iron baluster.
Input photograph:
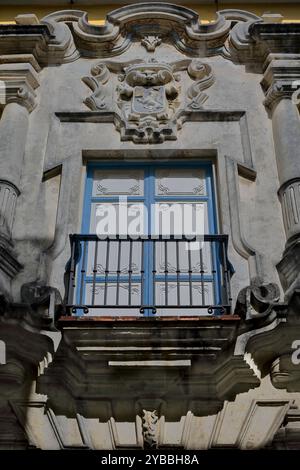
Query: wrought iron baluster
(166, 273)
(202, 273)
(190, 272)
(178, 272)
(106, 271)
(72, 273)
(130, 272)
(118, 271)
(142, 301)
(226, 278)
(154, 270)
(82, 271)
(95, 272)
(213, 265)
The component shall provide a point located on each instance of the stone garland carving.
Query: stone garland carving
(150, 102)
(150, 428)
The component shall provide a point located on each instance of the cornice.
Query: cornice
(175, 24)
(66, 35)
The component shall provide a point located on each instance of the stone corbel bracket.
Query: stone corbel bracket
(257, 300)
(273, 346)
(40, 305)
(21, 81)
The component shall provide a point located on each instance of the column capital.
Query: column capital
(281, 80)
(19, 81)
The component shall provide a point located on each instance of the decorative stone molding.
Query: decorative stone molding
(147, 23)
(235, 426)
(240, 243)
(25, 39)
(148, 104)
(237, 35)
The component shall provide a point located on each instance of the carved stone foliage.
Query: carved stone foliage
(150, 42)
(150, 428)
(150, 104)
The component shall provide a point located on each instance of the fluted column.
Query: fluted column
(13, 132)
(19, 81)
(280, 81)
(286, 130)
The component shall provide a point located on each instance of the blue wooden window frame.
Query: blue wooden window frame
(149, 198)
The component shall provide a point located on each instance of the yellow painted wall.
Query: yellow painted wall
(290, 12)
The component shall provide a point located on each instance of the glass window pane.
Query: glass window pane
(200, 257)
(180, 218)
(180, 182)
(109, 183)
(118, 257)
(113, 218)
(112, 294)
(184, 294)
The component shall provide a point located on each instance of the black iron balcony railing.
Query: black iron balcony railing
(148, 275)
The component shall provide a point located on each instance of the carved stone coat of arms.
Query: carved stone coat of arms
(147, 104)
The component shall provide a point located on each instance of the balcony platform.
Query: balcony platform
(116, 363)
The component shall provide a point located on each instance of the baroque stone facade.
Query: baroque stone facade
(151, 84)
